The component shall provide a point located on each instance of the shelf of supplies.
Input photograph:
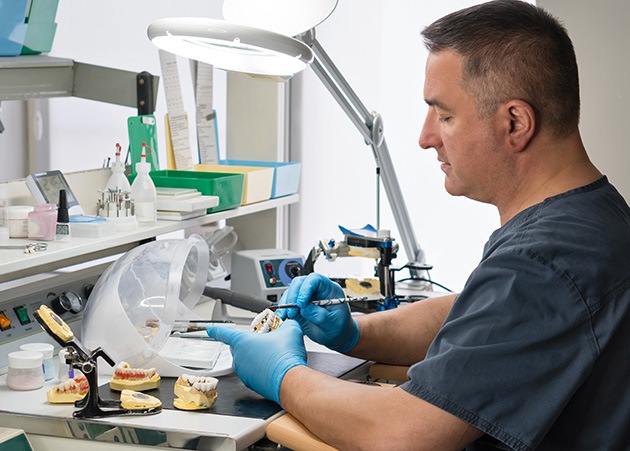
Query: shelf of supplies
(14, 263)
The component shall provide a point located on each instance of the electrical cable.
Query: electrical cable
(422, 279)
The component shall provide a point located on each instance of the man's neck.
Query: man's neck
(545, 171)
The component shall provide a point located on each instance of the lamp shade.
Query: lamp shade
(289, 17)
(230, 46)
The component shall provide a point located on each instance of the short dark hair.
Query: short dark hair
(513, 50)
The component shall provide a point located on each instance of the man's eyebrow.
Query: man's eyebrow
(436, 103)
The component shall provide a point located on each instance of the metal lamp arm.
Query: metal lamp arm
(370, 126)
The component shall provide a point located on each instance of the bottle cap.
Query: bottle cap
(19, 211)
(62, 213)
(25, 359)
(45, 348)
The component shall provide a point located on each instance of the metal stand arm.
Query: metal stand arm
(370, 126)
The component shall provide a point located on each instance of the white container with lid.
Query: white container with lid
(25, 370)
(18, 220)
(48, 362)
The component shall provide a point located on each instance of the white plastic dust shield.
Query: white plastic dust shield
(131, 311)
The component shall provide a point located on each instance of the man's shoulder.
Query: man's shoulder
(568, 218)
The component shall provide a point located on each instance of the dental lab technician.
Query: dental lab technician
(534, 352)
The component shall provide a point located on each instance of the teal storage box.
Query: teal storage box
(12, 26)
(286, 177)
(41, 27)
(39, 38)
(228, 187)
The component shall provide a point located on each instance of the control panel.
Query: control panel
(17, 323)
(265, 273)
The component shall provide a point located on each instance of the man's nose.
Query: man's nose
(429, 135)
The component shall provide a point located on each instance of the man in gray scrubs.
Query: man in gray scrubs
(534, 352)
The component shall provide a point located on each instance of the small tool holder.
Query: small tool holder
(115, 204)
(91, 406)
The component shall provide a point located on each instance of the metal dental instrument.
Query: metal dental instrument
(190, 325)
(322, 302)
(28, 248)
(197, 325)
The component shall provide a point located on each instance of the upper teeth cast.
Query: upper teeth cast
(125, 368)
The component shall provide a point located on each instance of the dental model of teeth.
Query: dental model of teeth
(266, 321)
(194, 392)
(137, 379)
(69, 391)
(130, 399)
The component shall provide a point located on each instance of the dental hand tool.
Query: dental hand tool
(190, 325)
(322, 302)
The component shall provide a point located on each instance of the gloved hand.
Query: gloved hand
(331, 326)
(262, 360)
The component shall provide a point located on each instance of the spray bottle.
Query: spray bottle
(143, 192)
(118, 181)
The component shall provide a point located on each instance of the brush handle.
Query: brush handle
(321, 302)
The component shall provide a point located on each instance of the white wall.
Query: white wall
(376, 45)
(599, 31)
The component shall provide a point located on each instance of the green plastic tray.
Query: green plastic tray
(228, 187)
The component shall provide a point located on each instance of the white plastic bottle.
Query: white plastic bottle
(143, 193)
(118, 180)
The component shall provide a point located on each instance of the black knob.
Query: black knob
(68, 301)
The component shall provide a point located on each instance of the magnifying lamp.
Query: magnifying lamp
(231, 47)
(255, 39)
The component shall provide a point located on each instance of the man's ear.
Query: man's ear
(522, 124)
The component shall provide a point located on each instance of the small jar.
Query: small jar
(25, 370)
(42, 222)
(48, 363)
(18, 220)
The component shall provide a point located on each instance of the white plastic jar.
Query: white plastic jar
(18, 220)
(48, 362)
(25, 370)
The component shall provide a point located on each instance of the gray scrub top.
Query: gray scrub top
(536, 349)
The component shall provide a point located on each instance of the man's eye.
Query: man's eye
(445, 118)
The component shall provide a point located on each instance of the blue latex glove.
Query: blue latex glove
(331, 326)
(262, 360)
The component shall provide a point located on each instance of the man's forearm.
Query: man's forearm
(348, 415)
(403, 335)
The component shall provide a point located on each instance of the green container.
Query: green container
(228, 187)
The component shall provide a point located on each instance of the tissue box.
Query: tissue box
(228, 187)
(257, 183)
(286, 175)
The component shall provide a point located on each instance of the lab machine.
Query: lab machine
(265, 273)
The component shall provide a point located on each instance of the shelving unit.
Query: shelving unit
(14, 263)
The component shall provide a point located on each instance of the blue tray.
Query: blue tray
(286, 177)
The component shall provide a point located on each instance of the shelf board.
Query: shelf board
(14, 263)
(41, 76)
